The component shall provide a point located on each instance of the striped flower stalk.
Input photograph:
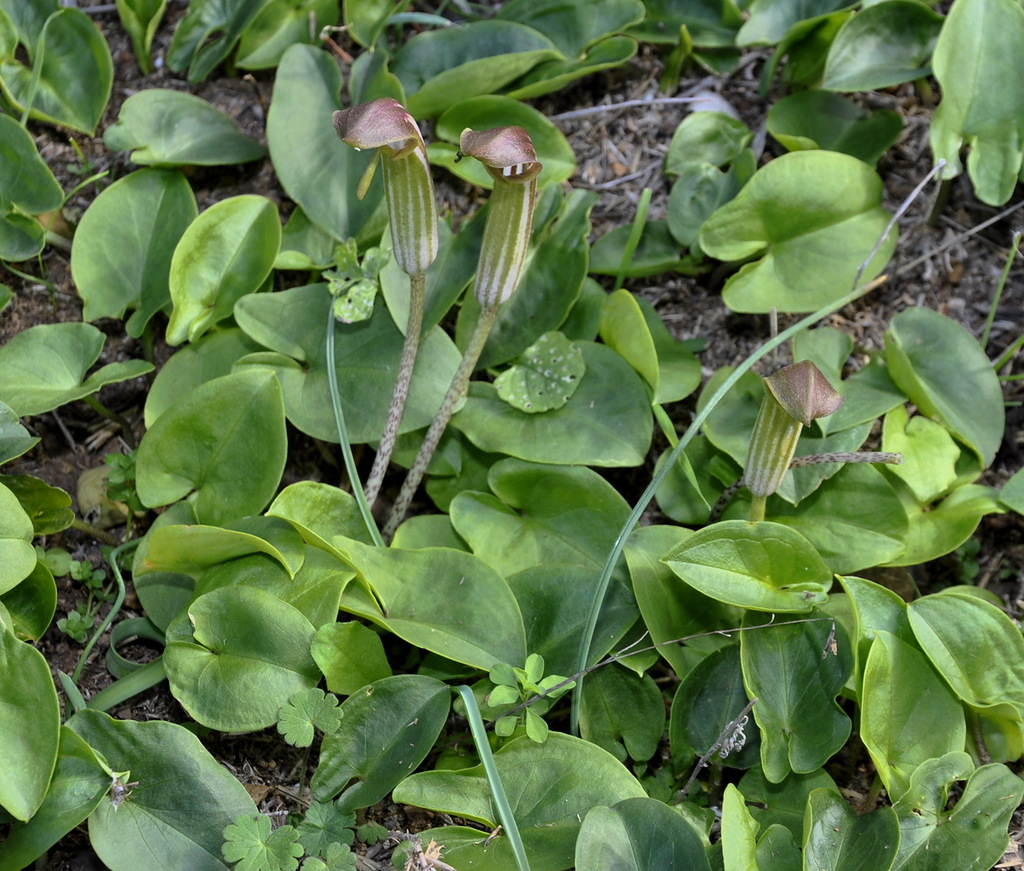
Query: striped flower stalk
(794, 397)
(508, 155)
(385, 125)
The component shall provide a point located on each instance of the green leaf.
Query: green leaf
(835, 836)
(317, 171)
(294, 323)
(706, 138)
(308, 710)
(574, 25)
(929, 453)
(29, 726)
(876, 609)
(639, 834)
(974, 62)
(709, 22)
(973, 645)
(902, 701)
(972, 836)
(555, 75)
(783, 804)
(791, 670)
(81, 780)
(1012, 495)
(623, 713)
(17, 556)
(545, 375)
(820, 119)
(350, 655)
(739, 832)
(121, 255)
(883, 45)
(607, 422)
(226, 253)
(768, 21)
(70, 76)
(27, 187)
(762, 566)
(657, 252)
(812, 217)
(404, 714)
(441, 68)
(32, 603)
(446, 601)
(43, 367)
(946, 374)
(237, 656)
(251, 846)
(15, 440)
(324, 825)
(208, 33)
(141, 18)
(482, 113)
(549, 809)
(48, 507)
(222, 447)
(280, 24)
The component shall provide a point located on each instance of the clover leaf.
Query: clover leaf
(545, 377)
(324, 826)
(249, 842)
(306, 710)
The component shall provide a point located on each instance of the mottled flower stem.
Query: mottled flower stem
(413, 328)
(457, 389)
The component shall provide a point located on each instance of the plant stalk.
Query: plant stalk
(456, 391)
(414, 326)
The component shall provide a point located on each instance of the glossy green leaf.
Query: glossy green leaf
(208, 33)
(972, 836)
(222, 447)
(974, 62)
(121, 255)
(709, 698)
(973, 645)
(792, 671)
(28, 186)
(811, 218)
(226, 253)
(48, 507)
(739, 832)
(707, 138)
(1012, 494)
(80, 782)
(179, 806)
(441, 68)
(404, 714)
(544, 376)
(280, 24)
(638, 834)
(870, 392)
(317, 171)
(876, 609)
(304, 245)
(835, 836)
(29, 726)
(446, 601)
(854, 522)
(294, 323)
(929, 453)
(540, 514)
(761, 566)
(141, 18)
(607, 422)
(44, 367)
(575, 25)
(32, 603)
(556, 75)
(657, 252)
(14, 438)
(350, 655)
(902, 702)
(820, 119)
(768, 22)
(883, 45)
(171, 128)
(698, 192)
(482, 113)
(319, 511)
(801, 482)
(237, 656)
(549, 809)
(70, 73)
(783, 804)
(210, 357)
(622, 712)
(946, 374)
(709, 22)
(364, 19)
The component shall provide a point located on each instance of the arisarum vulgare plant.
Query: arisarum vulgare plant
(386, 126)
(509, 157)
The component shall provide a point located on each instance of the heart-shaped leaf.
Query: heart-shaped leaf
(70, 74)
(173, 128)
(121, 255)
(222, 447)
(237, 656)
(811, 217)
(404, 714)
(26, 185)
(227, 252)
(836, 836)
(350, 655)
(180, 801)
(574, 25)
(43, 367)
(622, 712)
(17, 556)
(545, 375)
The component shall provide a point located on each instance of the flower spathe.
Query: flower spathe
(386, 126)
(507, 153)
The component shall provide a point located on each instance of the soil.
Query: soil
(949, 259)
